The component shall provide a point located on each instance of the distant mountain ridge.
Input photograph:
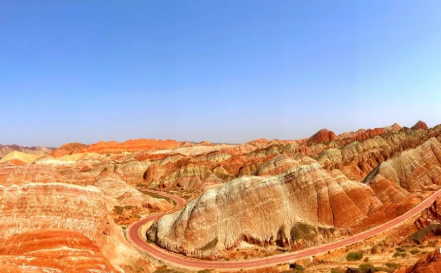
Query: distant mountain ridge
(6, 149)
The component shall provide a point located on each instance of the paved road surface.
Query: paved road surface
(157, 252)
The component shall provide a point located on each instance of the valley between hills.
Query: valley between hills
(362, 201)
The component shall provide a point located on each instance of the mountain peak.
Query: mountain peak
(420, 125)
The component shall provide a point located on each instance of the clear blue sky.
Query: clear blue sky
(222, 71)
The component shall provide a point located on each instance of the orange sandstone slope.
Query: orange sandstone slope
(52, 249)
(68, 149)
(36, 207)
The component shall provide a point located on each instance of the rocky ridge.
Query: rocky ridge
(7, 149)
(116, 147)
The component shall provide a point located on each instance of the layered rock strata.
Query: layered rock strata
(264, 210)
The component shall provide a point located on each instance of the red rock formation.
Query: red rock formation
(322, 136)
(21, 174)
(420, 125)
(414, 170)
(358, 159)
(205, 143)
(60, 207)
(364, 134)
(281, 164)
(388, 191)
(15, 161)
(238, 211)
(207, 169)
(116, 147)
(430, 215)
(355, 160)
(323, 193)
(38, 206)
(432, 262)
(132, 145)
(68, 149)
(49, 249)
(428, 264)
(317, 197)
(393, 128)
(184, 173)
(119, 193)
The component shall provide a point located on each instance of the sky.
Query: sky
(217, 70)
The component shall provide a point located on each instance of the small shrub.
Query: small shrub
(366, 266)
(391, 265)
(418, 237)
(366, 259)
(399, 254)
(354, 256)
(382, 269)
(374, 250)
(294, 268)
(400, 249)
(303, 231)
(414, 251)
(118, 209)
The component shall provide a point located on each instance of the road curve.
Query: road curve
(152, 249)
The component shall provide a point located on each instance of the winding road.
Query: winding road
(152, 249)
